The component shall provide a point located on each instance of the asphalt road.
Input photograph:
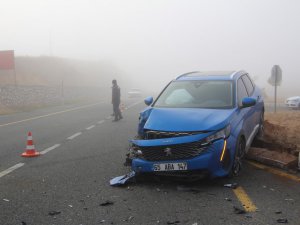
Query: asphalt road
(83, 149)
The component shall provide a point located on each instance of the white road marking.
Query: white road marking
(134, 104)
(49, 149)
(101, 121)
(50, 114)
(90, 127)
(11, 169)
(74, 136)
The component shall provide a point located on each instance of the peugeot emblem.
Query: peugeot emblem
(168, 151)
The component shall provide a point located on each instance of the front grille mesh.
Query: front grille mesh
(154, 134)
(172, 152)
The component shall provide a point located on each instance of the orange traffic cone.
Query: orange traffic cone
(30, 150)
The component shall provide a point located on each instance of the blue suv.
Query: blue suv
(202, 123)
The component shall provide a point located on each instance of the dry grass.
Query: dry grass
(283, 128)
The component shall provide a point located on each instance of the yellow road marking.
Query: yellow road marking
(244, 199)
(275, 171)
(50, 114)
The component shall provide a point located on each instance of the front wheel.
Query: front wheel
(260, 133)
(238, 157)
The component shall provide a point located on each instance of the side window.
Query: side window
(248, 83)
(241, 91)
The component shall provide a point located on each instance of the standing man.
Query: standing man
(116, 99)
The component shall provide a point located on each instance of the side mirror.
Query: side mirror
(248, 102)
(148, 100)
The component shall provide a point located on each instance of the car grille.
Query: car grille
(172, 152)
(154, 134)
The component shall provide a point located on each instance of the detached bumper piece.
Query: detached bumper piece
(122, 180)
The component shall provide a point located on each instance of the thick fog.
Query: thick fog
(147, 43)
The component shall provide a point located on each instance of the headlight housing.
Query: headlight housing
(224, 133)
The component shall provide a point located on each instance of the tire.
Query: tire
(238, 157)
(260, 133)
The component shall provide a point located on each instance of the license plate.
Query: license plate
(170, 166)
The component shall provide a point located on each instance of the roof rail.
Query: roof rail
(182, 75)
(237, 73)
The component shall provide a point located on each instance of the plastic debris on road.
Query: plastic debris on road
(53, 213)
(121, 180)
(173, 222)
(128, 219)
(238, 210)
(282, 220)
(233, 185)
(106, 203)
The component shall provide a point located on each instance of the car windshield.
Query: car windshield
(197, 94)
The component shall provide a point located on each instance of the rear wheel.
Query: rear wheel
(238, 157)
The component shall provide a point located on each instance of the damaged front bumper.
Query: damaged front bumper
(181, 156)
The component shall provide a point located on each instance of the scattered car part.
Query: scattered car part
(233, 185)
(121, 180)
(53, 213)
(282, 220)
(106, 203)
(238, 210)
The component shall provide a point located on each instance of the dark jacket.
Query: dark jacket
(116, 94)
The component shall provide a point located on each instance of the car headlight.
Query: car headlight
(224, 133)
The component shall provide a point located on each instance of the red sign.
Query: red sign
(7, 60)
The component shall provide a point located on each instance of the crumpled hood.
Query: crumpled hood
(187, 119)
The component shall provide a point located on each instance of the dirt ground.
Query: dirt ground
(282, 131)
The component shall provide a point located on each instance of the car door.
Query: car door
(253, 93)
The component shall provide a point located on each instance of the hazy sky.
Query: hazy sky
(160, 38)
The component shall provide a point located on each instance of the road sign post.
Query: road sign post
(275, 80)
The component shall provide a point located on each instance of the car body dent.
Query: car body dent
(171, 119)
(205, 161)
(201, 122)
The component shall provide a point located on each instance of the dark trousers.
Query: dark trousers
(117, 111)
